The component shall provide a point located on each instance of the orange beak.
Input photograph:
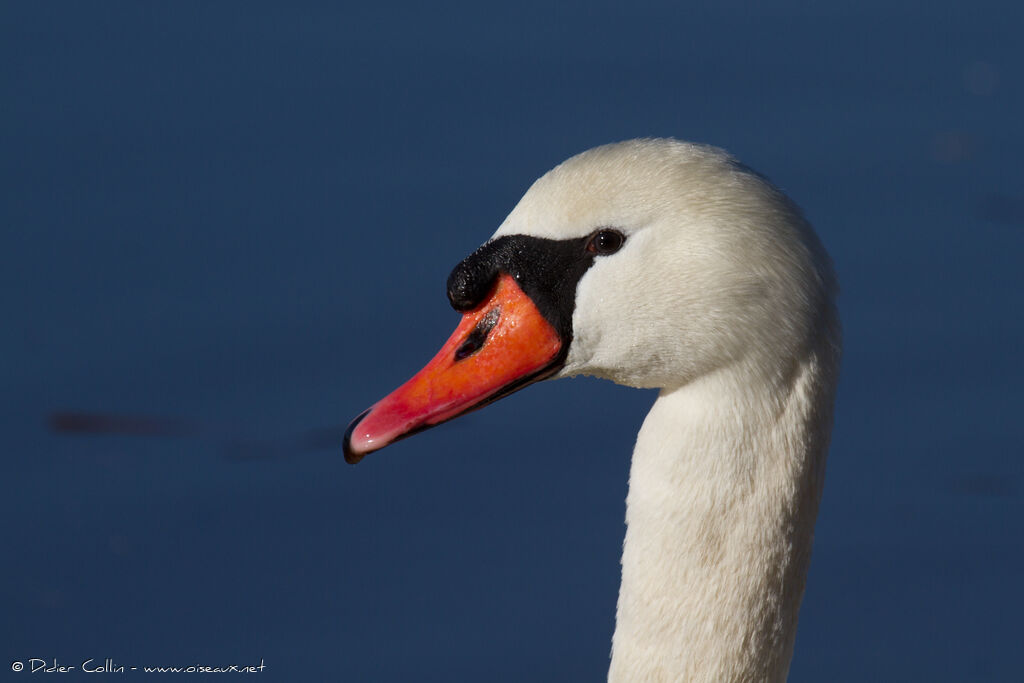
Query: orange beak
(500, 346)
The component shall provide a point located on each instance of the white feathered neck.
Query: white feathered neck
(724, 488)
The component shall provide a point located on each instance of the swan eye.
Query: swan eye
(606, 242)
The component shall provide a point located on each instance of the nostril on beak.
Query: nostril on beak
(475, 341)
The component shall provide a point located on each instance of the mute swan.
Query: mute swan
(659, 263)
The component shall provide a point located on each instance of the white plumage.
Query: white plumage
(723, 298)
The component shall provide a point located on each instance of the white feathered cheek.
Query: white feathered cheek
(608, 321)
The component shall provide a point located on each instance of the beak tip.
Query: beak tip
(352, 456)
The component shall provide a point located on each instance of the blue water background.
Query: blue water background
(243, 214)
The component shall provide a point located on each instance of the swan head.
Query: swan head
(649, 262)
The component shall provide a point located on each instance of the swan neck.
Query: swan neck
(724, 487)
